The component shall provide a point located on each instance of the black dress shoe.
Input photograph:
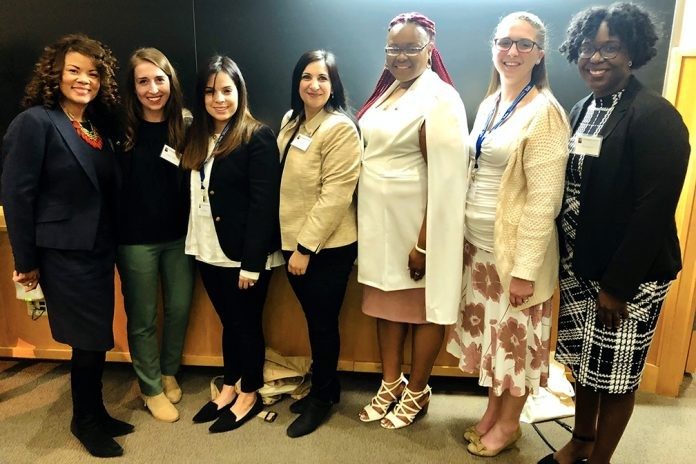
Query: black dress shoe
(93, 438)
(228, 421)
(299, 406)
(210, 412)
(549, 459)
(314, 414)
(114, 427)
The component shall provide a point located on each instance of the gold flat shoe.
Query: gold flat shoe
(479, 449)
(471, 434)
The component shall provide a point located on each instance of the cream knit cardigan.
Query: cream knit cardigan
(531, 190)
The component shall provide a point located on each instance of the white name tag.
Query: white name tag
(589, 145)
(169, 154)
(302, 142)
(204, 209)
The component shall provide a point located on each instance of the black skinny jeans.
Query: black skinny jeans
(240, 312)
(321, 291)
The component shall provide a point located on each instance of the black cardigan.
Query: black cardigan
(626, 233)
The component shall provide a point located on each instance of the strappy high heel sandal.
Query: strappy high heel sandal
(382, 402)
(410, 406)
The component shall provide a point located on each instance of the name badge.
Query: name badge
(302, 142)
(204, 209)
(589, 145)
(169, 154)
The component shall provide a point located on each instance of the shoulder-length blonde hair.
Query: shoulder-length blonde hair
(173, 110)
(242, 124)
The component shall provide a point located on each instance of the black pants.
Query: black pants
(240, 311)
(321, 291)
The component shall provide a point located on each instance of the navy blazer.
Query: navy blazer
(626, 233)
(50, 191)
(244, 198)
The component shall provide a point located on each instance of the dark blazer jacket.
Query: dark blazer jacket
(244, 194)
(50, 190)
(626, 233)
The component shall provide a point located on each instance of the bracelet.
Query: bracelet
(419, 249)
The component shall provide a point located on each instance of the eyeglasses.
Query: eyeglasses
(606, 51)
(408, 51)
(523, 45)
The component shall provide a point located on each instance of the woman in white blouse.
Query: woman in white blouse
(233, 160)
(517, 161)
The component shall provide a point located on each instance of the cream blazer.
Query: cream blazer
(317, 201)
(396, 184)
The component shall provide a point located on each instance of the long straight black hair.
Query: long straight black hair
(337, 100)
(243, 122)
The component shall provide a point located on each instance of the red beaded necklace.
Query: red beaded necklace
(91, 136)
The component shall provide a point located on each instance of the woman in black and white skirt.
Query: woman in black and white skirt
(619, 250)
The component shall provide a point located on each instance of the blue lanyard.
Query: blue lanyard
(201, 170)
(501, 121)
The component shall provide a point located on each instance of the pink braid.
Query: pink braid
(386, 79)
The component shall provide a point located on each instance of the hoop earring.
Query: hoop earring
(630, 64)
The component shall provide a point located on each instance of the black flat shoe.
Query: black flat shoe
(210, 412)
(228, 421)
(97, 442)
(114, 427)
(314, 414)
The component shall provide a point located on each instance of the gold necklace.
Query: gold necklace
(90, 136)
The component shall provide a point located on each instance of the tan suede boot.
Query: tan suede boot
(171, 388)
(161, 408)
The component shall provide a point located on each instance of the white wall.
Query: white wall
(688, 19)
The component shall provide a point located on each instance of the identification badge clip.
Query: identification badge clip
(169, 154)
(302, 142)
(589, 145)
(204, 209)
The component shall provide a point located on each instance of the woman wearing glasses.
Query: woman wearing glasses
(518, 154)
(619, 246)
(412, 185)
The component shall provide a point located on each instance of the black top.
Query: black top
(626, 232)
(155, 197)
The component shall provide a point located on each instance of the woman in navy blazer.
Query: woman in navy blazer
(59, 188)
(619, 248)
(233, 222)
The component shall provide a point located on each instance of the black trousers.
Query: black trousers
(321, 291)
(240, 312)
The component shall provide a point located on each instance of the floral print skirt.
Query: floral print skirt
(508, 348)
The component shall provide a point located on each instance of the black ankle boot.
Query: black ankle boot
(93, 438)
(315, 411)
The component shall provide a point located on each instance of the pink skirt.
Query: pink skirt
(406, 306)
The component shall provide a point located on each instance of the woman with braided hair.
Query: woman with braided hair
(410, 202)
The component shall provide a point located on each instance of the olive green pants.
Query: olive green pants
(140, 268)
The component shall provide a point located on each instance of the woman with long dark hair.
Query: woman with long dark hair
(321, 162)
(233, 160)
(59, 188)
(152, 228)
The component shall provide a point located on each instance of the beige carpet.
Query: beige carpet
(35, 411)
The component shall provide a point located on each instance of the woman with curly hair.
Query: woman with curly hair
(152, 229)
(517, 157)
(59, 188)
(619, 248)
